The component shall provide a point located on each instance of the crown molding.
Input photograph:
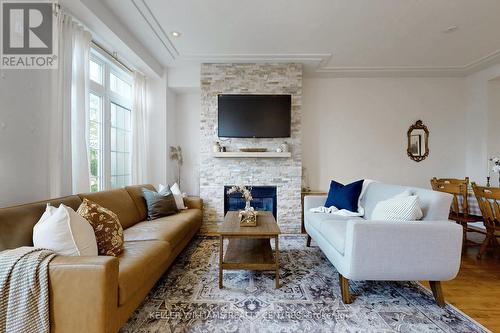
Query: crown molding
(318, 61)
(390, 71)
(475, 66)
(256, 57)
(412, 71)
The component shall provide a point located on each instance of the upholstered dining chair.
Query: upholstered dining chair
(459, 211)
(488, 199)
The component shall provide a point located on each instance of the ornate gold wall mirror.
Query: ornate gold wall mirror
(418, 141)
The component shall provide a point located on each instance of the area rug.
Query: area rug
(187, 299)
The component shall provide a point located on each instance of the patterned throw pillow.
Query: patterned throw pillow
(107, 228)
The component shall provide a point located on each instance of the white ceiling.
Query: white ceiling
(331, 37)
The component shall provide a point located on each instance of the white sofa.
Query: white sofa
(364, 249)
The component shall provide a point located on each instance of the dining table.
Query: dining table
(474, 211)
(473, 204)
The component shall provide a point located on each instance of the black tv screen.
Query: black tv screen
(254, 116)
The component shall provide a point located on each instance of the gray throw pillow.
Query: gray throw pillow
(159, 204)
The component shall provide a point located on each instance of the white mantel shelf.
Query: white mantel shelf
(244, 154)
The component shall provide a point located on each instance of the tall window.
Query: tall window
(109, 123)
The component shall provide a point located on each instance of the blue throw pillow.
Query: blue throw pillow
(344, 196)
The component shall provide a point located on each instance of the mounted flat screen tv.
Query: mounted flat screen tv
(254, 116)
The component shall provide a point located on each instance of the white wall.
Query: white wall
(355, 128)
(184, 78)
(24, 112)
(161, 131)
(493, 143)
(171, 130)
(479, 97)
(188, 109)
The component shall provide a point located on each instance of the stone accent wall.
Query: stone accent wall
(284, 173)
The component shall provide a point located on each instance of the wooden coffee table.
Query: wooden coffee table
(249, 247)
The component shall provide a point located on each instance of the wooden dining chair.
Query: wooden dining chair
(488, 199)
(459, 210)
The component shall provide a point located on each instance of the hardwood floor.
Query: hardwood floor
(476, 289)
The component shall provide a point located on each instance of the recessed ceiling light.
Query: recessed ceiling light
(176, 33)
(450, 29)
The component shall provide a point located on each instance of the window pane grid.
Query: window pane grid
(109, 125)
(120, 146)
(119, 86)
(95, 142)
(95, 71)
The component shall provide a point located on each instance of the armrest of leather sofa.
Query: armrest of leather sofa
(83, 293)
(193, 202)
(402, 251)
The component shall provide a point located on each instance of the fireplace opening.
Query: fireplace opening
(264, 198)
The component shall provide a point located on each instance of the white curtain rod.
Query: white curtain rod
(57, 10)
(113, 56)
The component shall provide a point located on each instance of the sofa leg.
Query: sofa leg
(308, 244)
(437, 291)
(344, 289)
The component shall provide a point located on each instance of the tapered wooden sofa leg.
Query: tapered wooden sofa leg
(308, 244)
(344, 289)
(437, 291)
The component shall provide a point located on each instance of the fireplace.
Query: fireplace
(264, 198)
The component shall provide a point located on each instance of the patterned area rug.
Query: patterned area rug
(187, 299)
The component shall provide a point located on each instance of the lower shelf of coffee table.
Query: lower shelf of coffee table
(249, 253)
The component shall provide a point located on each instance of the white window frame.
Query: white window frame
(109, 65)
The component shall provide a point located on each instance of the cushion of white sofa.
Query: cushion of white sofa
(331, 227)
(334, 233)
(315, 219)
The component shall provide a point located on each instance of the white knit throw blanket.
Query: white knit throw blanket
(24, 290)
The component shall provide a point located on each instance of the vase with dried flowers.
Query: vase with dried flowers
(245, 194)
(176, 155)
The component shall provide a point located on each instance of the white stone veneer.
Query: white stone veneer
(284, 173)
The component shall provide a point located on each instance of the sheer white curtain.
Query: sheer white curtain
(80, 110)
(69, 167)
(139, 146)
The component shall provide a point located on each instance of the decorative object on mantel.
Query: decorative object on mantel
(176, 155)
(418, 141)
(493, 165)
(248, 218)
(216, 148)
(253, 150)
(284, 147)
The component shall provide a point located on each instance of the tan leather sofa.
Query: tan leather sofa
(98, 294)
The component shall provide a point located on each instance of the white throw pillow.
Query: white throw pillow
(178, 196)
(402, 207)
(65, 232)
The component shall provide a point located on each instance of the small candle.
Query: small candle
(489, 167)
